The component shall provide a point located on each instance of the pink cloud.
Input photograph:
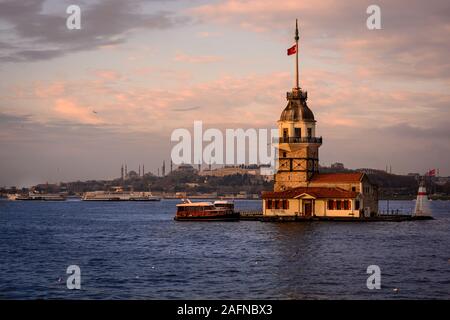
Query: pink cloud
(337, 98)
(70, 110)
(44, 91)
(181, 57)
(208, 34)
(410, 45)
(258, 15)
(108, 75)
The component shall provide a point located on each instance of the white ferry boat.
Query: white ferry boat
(119, 196)
(36, 196)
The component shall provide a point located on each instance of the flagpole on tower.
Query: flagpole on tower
(296, 55)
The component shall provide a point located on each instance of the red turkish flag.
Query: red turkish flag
(292, 50)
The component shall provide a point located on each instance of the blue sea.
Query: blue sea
(135, 250)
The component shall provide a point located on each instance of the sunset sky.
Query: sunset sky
(76, 104)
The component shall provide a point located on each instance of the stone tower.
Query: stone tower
(298, 148)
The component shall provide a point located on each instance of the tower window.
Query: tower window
(284, 154)
(285, 133)
(309, 132)
(298, 132)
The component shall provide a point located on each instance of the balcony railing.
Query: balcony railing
(300, 140)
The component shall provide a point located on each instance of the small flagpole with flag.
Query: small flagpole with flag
(291, 51)
(296, 55)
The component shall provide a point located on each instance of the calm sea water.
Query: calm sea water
(137, 251)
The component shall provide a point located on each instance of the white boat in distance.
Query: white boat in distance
(119, 196)
(36, 197)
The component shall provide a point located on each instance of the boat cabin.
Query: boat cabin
(205, 211)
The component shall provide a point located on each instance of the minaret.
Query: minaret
(171, 165)
(121, 172)
(164, 168)
(139, 170)
(298, 154)
(126, 171)
(143, 170)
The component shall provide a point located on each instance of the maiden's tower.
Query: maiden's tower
(300, 190)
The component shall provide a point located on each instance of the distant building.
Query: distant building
(185, 168)
(180, 194)
(132, 174)
(192, 184)
(228, 171)
(370, 171)
(441, 180)
(242, 195)
(338, 166)
(414, 174)
(267, 174)
(45, 188)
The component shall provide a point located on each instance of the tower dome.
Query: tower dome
(297, 109)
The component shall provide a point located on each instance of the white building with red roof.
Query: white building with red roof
(349, 195)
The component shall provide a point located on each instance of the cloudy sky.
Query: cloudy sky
(76, 104)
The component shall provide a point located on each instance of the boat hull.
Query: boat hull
(39, 199)
(34, 197)
(215, 217)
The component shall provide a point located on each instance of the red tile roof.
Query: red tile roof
(316, 192)
(338, 177)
